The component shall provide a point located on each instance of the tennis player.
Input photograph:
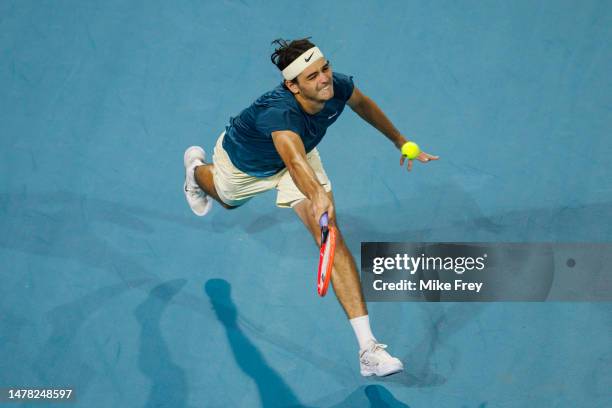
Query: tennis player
(272, 144)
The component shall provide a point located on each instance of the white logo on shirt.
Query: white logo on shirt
(329, 117)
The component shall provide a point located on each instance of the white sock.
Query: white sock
(363, 332)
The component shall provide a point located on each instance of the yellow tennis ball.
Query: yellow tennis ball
(410, 150)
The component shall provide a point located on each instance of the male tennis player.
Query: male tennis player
(272, 144)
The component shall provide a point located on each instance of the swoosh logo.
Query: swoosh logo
(308, 59)
(329, 117)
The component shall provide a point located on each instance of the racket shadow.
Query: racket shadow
(272, 389)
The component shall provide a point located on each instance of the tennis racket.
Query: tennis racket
(326, 255)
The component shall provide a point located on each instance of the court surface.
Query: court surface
(111, 286)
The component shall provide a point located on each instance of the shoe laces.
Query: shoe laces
(376, 350)
(193, 190)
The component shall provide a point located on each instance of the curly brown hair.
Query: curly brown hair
(288, 51)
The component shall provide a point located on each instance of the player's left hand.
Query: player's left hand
(422, 157)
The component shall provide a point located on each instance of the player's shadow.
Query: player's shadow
(168, 380)
(373, 396)
(273, 390)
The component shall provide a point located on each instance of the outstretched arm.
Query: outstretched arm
(369, 111)
(291, 149)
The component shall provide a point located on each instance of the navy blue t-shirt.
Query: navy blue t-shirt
(248, 137)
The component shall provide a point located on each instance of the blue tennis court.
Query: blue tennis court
(112, 287)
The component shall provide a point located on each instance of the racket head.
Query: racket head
(326, 259)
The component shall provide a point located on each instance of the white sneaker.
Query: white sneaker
(374, 360)
(197, 199)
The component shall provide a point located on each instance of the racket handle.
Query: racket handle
(324, 220)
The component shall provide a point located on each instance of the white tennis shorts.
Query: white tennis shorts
(236, 187)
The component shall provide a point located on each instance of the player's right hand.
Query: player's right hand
(321, 204)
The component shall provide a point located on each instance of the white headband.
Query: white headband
(301, 63)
